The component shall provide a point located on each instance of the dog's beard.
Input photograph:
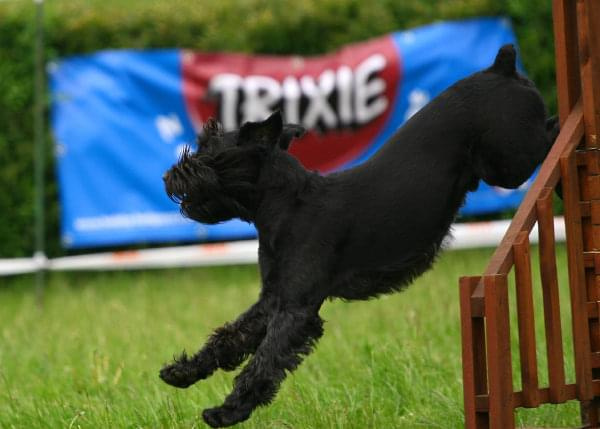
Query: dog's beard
(208, 212)
(213, 211)
(212, 188)
(175, 186)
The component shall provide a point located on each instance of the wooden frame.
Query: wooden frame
(574, 161)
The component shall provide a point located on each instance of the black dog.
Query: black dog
(354, 234)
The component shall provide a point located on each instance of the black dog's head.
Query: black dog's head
(218, 182)
(509, 119)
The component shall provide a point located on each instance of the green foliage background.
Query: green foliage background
(303, 27)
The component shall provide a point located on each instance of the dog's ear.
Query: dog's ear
(265, 133)
(290, 132)
(505, 62)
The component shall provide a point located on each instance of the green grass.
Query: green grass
(90, 356)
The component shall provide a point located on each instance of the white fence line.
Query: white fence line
(464, 235)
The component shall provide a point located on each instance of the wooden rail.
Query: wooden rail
(487, 366)
(574, 161)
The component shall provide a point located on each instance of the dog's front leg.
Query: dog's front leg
(226, 348)
(290, 335)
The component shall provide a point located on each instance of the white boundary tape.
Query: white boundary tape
(464, 236)
(489, 234)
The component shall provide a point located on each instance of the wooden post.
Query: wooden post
(548, 274)
(568, 85)
(526, 320)
(498, 352)
(473, 356)
(581, 339)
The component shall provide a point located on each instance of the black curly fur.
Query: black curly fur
(355, 234)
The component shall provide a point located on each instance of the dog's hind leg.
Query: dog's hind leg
(290, 335)
(226, 348)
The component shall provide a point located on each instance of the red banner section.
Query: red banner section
(343, 99)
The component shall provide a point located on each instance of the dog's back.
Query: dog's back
(388, 217)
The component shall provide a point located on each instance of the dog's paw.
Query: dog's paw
(220, 417)
(178, 374)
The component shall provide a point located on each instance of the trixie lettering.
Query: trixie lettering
(335, 99)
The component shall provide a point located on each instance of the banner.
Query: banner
(121, 119)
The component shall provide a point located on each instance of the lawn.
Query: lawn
(89, 357)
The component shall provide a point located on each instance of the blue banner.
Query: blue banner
(121, 118)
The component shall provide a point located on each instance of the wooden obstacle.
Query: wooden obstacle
(574, 163)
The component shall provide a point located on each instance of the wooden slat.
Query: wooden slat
(590, 257)
(593, 295)
(526, 320)
(595, 212)
(595, 235)
(588, 18)
(590, 159)
(569, 90)
(584, 187)
(551, 298)
(592, 309)
(498, 352)
(576, 275)
(595, 358)
(588, 12)
(566, 53)
(482, 401)
(585, 208)
(544, 395)
(480, 367)
(593, 185)
(586, 230)
(473, 356)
